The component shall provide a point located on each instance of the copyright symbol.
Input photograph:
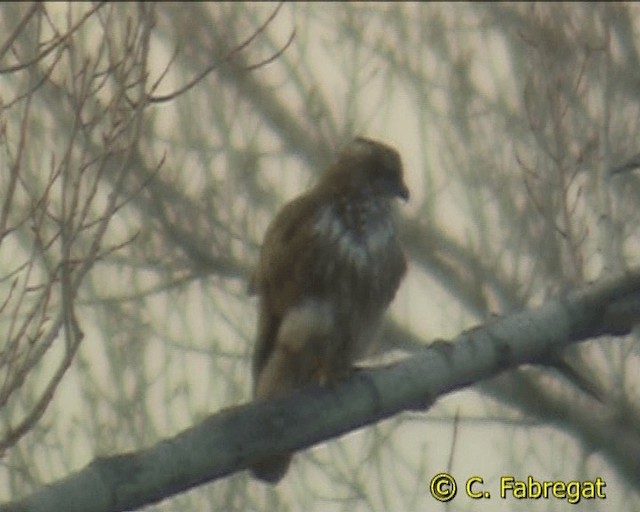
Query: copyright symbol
(443, 487)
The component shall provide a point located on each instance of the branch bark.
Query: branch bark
(233, 438)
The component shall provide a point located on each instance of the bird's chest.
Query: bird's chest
(359, 238)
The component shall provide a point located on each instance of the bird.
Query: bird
(330, 264)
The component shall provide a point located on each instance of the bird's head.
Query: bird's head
(368, 167)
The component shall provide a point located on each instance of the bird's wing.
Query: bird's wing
(285, 271)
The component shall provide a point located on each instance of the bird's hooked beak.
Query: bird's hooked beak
(403, 191)
(397, 188)
(393, 186)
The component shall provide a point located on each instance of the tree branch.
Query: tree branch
(232, 439)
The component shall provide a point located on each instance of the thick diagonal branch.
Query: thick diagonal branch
(232, 439)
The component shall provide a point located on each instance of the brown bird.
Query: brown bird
(330, 265)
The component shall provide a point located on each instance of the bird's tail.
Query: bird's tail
(271, 470)
(289, 363)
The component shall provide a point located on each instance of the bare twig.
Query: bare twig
(228, 57)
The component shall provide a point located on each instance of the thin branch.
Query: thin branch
(35, 6)
(275, 56)
(227, 58)
(62, 39)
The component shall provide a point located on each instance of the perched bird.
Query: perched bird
(329, 266)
